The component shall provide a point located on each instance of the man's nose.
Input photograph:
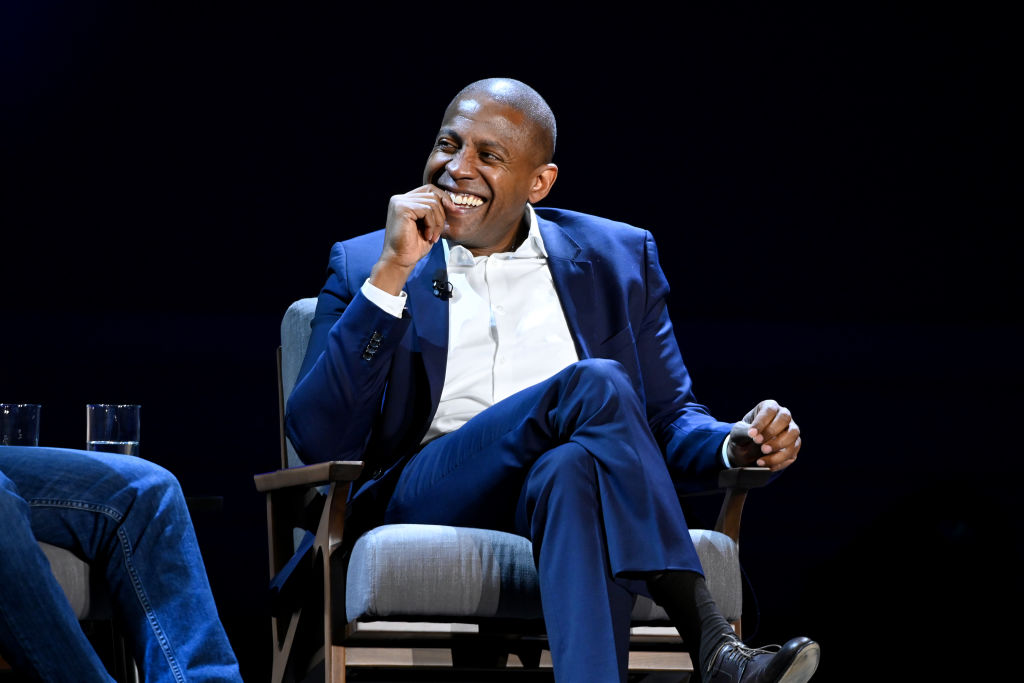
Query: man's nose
(460, 165)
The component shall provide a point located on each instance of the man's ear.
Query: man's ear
(543, 179)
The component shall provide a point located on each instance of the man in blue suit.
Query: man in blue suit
(515, 368)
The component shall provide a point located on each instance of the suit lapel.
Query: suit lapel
(430, 317)
(574, 283)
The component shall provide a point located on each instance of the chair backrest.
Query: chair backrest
(295, 334)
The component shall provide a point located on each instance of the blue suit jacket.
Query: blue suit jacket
(370, 382)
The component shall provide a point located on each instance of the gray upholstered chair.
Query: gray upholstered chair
(426, 595)
(91, 604)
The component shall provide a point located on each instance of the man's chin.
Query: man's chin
(455, 233)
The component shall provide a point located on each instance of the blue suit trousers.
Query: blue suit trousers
(571, 464)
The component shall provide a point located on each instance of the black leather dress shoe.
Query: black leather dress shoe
(734, 662)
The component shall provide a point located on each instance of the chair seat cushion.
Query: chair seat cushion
(420, 571)
(88, 600)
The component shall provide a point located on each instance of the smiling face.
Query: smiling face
(488, 163)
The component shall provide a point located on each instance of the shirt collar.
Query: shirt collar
(532, 246)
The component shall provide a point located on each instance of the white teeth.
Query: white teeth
(465, 199)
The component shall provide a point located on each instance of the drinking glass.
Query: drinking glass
(112, 428)
(19, 424)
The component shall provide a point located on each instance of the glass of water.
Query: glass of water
(112, 428)
(19, 424)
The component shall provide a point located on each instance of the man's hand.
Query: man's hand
(415, 222)
(766, 436)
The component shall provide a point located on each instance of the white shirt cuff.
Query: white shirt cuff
(389, 303)
(725, 448)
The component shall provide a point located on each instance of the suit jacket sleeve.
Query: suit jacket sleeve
(337, 397)
(688, 435)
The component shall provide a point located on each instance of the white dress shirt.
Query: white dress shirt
(506, 328)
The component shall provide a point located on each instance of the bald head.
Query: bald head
(523, 98)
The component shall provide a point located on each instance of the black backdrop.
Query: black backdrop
(830, 191)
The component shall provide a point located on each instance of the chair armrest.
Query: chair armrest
(744, 478)
(309, 475)
(293, 501)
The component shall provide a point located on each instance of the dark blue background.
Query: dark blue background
(830, 190)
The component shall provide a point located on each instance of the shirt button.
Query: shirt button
(499, 309)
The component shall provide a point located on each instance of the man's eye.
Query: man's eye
(489, 157)
(444, 145)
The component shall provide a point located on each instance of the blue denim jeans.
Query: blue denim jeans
(128, 518)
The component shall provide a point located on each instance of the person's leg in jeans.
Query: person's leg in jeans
(572, 464)
(129, 516)
(39, 632)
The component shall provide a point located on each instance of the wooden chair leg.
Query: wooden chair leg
(738, 627)
(328, 539)
(303, 629)
(335, 671)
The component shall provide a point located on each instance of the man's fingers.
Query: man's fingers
(781, 441)
(760, 417)
(776, 434)
(781, 459)
(423, 209)
(420, 214)
(433, 221)
(781, 424)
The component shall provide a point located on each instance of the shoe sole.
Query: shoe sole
(803, 665)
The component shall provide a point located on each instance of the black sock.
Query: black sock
(686, 598)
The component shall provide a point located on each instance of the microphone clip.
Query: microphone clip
(443, 289)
